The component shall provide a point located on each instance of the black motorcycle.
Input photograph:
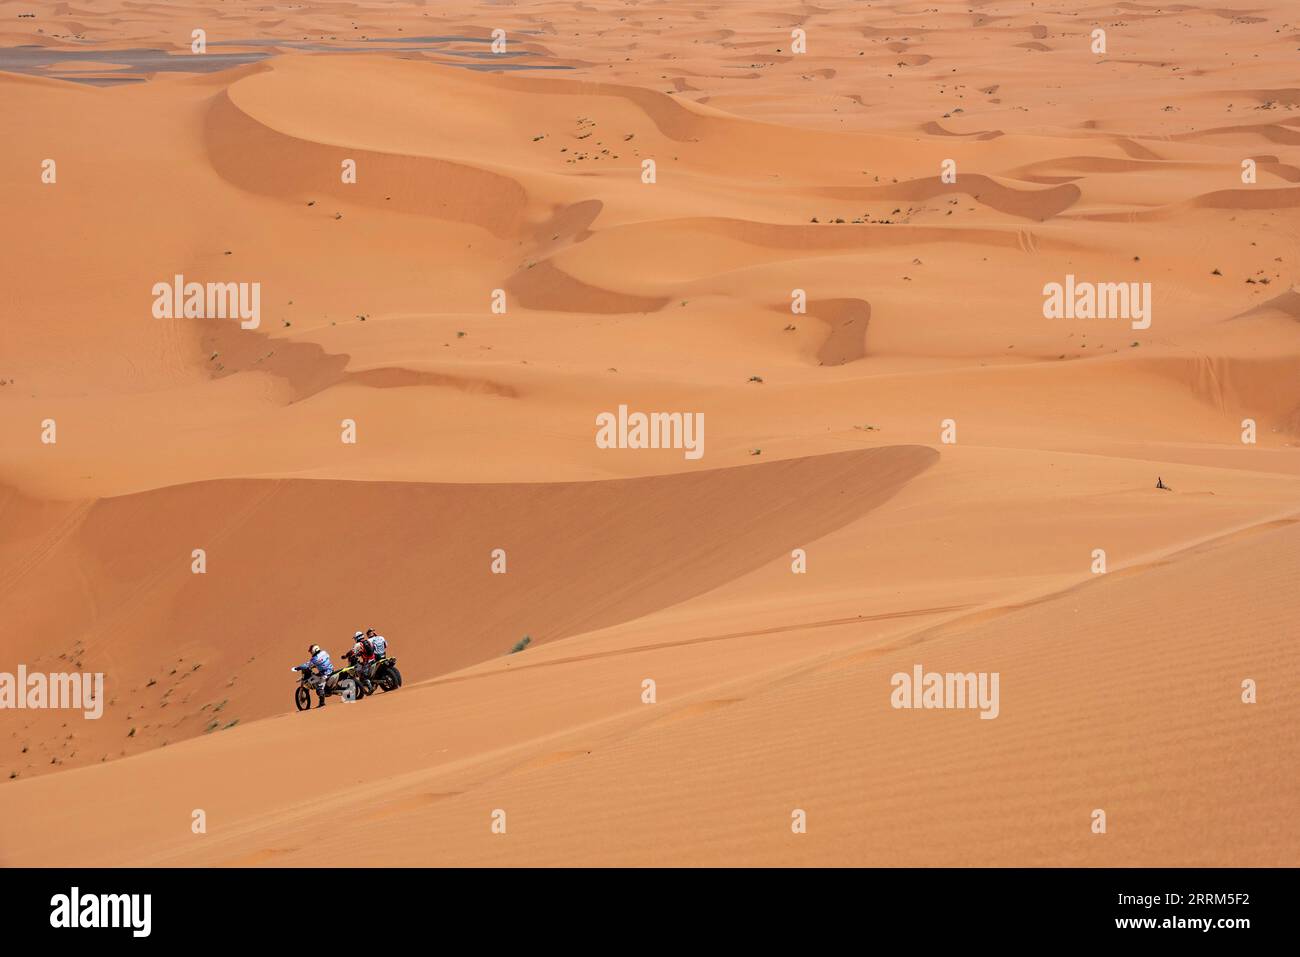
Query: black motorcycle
(380, 675)
(384, 673)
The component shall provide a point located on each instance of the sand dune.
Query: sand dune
(837, 257)
(810, 729)
(423, 553)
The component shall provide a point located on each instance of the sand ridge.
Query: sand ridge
(945, 459)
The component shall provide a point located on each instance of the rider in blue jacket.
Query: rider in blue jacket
(320, 660)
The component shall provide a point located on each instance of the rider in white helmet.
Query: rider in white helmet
(320, 660)
(362, 658)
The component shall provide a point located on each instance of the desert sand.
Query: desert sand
(941, 459)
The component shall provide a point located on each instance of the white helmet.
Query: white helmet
(358, 636)
(314, 649)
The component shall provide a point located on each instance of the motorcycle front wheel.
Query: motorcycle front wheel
(302, 697)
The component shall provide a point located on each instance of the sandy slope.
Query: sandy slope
(775, 172)
(754, 724)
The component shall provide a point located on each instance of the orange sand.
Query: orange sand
(1120, 691)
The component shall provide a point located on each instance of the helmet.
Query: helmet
(358, 636)
(370, 632)
(314, 649)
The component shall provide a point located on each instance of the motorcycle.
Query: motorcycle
(343, 682)
(380, 675)
(385, 674)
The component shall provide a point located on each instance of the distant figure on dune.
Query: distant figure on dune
(1160, 483)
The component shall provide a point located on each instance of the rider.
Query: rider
(362, 657)
(378, 644)
(320, 660)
